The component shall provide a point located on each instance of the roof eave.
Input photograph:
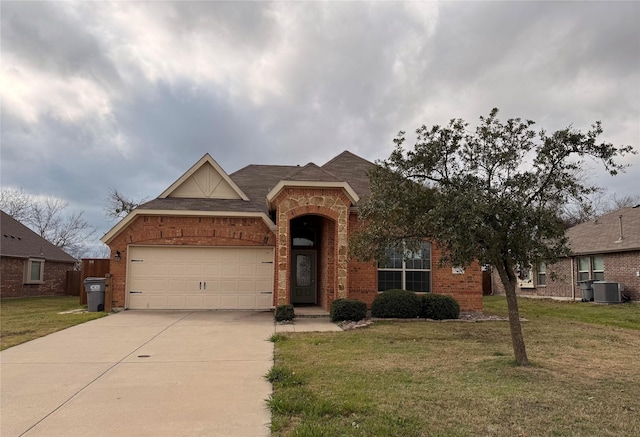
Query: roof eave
(350, 192)
(115, 231)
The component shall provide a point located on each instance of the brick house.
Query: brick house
(607, 248)
(29, 264)
(263, 236)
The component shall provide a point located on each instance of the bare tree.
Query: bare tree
(48, 218)
(595, 205)
(16, 203)
(118, 205)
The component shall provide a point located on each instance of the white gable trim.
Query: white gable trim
(109, 236)
(206, 159)
(351, 194)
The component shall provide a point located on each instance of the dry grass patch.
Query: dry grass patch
(458, 379)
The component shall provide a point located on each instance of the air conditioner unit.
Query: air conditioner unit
(607, 292)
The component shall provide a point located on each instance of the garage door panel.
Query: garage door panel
(200, 278)
(209, 301)
(212, 270)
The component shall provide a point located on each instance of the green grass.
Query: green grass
(621, 315)
(458, 379)
(22, 320)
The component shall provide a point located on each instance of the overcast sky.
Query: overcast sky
(129, 95)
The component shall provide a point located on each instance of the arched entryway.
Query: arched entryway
(312, 243)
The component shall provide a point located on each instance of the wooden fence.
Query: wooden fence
(91, 268)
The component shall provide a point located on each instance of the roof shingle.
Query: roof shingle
(603, 234)
(21, 242)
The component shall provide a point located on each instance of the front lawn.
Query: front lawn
(458, 379)
(24, 319)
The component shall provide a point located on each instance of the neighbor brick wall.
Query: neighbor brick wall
(622, 267)
(12, 279)
(618, 267)
(180, 230)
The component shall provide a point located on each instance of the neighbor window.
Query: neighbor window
(34, 271)
(406, 270)
(591, 267)
(542, 274)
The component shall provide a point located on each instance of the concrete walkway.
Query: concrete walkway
(145, 373)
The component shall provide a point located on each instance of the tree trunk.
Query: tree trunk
(509, 282)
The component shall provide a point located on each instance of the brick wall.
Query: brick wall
(331, 204)
(465, 288)
(622, 267)
(12, 283)
(180, 230)
(618, 267)
(326, 262)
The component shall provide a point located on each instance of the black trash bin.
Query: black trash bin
(95, 293)
(587, 289)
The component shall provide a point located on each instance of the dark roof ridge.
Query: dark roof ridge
(314, 167)
(342, 155)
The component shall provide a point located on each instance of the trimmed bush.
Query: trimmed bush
(439, 307)
(399, 304)
(348, 309)
(284, 312)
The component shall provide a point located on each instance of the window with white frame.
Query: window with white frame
(591, 267)
(597, 268)
(542, 274)
(406, 270)
(34, 271)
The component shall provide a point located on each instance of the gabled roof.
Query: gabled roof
(603, 234)
(311, 172)
(353, 170)
(205, 189)
(205, 180)
(19, 241)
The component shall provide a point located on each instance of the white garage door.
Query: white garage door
(200, 278)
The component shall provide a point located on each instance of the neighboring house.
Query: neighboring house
(607, 248)
(30, 265)
(263, 236)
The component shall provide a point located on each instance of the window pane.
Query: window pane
(583, 264)
(598, 276)
(388, 280)
(542, 268)
(302, 242)
(598, 264)
(303, 270)
(583, 276)
(542, 279)
(36, 268)
(418, 281)
(393, 261)
(420, 260)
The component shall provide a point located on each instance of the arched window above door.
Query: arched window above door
(303, 237)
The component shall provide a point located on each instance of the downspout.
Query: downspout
(573, 282)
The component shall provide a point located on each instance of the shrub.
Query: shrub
(439, 307)
(400, 304)
(348, 309)
(284, 312)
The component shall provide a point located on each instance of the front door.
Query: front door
(303, 277)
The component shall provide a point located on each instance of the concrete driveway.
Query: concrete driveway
(142, 373)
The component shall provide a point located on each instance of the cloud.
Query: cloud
(130, 94)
